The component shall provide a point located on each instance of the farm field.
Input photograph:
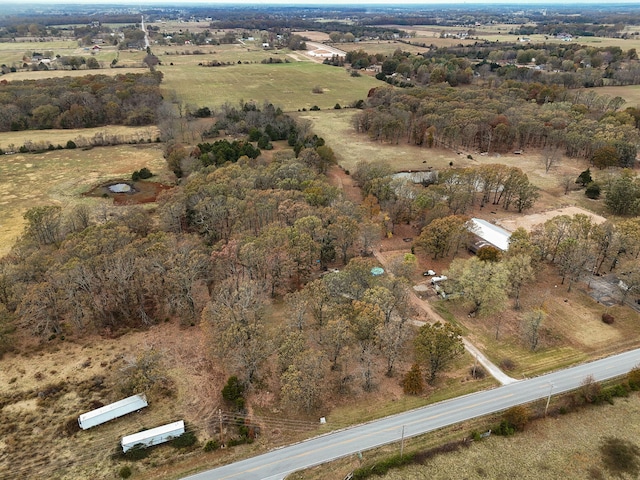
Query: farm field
(13, 52)
(499, 32)
(61, 177)
(287, 85)
(190, 55)
(387, 47)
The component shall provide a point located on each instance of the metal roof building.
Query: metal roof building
(492, 234)
(153, 436)
(111, 411)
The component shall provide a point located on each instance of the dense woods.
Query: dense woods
(514, 116)
(80, 102)
(237, 235)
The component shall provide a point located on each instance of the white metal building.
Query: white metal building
(153, 436)
(491, 234)
(111, 411)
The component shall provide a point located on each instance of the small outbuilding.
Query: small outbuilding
(112, 411)
(487, 234)
(154, 436)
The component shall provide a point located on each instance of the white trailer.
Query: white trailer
(155, 436)
(111, 411)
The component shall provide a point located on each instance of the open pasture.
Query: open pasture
(287, 85)
(14, 140)
(351, 147)
(69, 73)
(386, 47)
(183, 55)
(12, 53)
(630, 93)
(61, 177)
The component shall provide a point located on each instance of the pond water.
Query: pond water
(120, 188)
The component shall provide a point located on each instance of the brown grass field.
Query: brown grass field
(62, 176)
(630, 93)
(80, 135)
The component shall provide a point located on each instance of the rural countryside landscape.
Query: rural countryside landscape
(243, 241)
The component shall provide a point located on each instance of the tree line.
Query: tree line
(81, 102)
(513, 116)
(555, 64)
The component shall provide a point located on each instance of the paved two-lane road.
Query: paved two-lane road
(278, 463)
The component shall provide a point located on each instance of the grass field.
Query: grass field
(386, 47)
(61, 176)
(12, 52)
(60, 137)
(630, 93)
(182, 55)
(287, 85)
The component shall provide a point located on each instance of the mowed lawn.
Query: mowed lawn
(287, 85)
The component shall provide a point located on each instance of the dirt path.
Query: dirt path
(434, 316)
(339, 178)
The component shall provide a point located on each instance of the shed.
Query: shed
(111, 411)
(154, 436)
(490, 234)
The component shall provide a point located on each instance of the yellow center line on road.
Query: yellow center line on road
(360, 437)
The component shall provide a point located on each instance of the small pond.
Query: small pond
(120, 188)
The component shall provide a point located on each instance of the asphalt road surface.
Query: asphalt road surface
(276, 464)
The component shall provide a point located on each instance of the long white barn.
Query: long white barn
(153, 436)
(111, 411)
(491, 234)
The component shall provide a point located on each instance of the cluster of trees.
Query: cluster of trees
(344, 331)
(449, 192)
(578, 246)
(81, 102)
(569, 65)
(622, 188)
(222, 151)
(223, 245)
(237, 233)
(515, 115)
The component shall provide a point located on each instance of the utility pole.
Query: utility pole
(221, 434)
(475, 365)
(548, 399)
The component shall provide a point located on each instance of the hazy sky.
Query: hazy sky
(325, 2)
